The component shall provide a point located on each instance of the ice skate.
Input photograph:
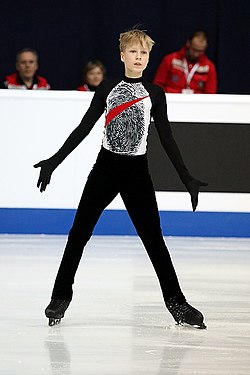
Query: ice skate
(55, 310)
(183, 313)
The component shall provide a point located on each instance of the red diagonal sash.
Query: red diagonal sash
(120, 108)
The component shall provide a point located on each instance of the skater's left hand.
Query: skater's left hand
(193, 188)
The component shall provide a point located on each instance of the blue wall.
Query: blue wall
(117, 222)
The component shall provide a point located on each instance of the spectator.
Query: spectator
(93, 73)
(188, 70)
(25, 76)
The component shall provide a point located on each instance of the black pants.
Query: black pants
(129, 176)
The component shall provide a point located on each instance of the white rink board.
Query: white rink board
(35, 124)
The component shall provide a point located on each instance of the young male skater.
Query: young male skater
(122, 167)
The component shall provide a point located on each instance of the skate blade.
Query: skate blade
(195, 326)
(54, 321)
(202, 326)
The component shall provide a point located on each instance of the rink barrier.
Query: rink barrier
(117, 222)
(220, 157)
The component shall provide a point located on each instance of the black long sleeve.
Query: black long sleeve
(92, 115)
(159, 113)
(129, 105)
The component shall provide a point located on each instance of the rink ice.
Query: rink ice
(117, 323)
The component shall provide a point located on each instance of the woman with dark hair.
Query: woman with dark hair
(93, 73)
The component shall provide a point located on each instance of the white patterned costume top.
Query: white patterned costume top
(129, 104)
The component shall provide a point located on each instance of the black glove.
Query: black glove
(45, 174)
(193, 188)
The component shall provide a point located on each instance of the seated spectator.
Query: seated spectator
(25, 76)
(92, 74)
(188, 70)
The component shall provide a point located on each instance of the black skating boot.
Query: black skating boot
(55, 310)
(183, 313)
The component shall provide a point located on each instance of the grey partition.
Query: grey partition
(216, 153)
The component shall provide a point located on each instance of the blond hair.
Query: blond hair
(130, 36)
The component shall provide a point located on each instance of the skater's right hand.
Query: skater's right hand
(45, 174)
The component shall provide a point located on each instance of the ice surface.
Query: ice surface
(117, 322)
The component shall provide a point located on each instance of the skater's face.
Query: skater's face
(135, 57)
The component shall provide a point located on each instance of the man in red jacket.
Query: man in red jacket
(188, 70)
(25, 76)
